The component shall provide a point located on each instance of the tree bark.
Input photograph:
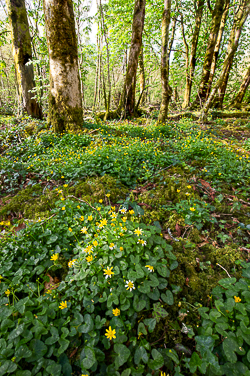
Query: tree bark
(240, 19)
(127, 101)
(216, 19)
(65, 102)
(217, 47)
(192, 59)
(22, 52)
(142, 76)
(237, 100)
(166, 89)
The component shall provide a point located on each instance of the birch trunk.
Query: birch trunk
(166, 89)
(236, 102)
(22, 53)
(142, 76)
(127, 101)
(192, 59)
(65, 102)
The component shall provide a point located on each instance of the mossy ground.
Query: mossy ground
(198, 251)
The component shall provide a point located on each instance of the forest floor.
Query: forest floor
(188, 181)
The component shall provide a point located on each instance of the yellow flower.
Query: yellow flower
(121, 248)
(70, 229)
(150, 268)
(63, 208)
(63, 305)
(192, 209)
(62, 198)
(110, 333)
(98, 209)
(108, 272)
(108, 195)
(163, 374)
(1, 277)
(237, 299)
(189, 187)
(95, 243)
(90, 218)
(54, 257)
(116, 312)
(138, 231)
(62, 177)
(124, 219)
(100, 201)
(131, 212)
(89, 258)
(84, 230)
(71, 263)
(65, 185)
(82, 218)
(178, 190)
(7, 292)
(112, 246)
(78, 207)
(130, 285)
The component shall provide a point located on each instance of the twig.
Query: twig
(169, 233)
(224, 269)
(87, 203)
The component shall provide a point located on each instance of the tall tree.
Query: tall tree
(142, 76)
(241, 16)
(166, 89)
(237, 100)
(127, 101)
(215, 25)
(239, 20)
(217, 46)
(65, 102)
(21, 44)
(191, 61)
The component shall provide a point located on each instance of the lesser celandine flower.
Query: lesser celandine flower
(54, 257)
(63, 208)
(108, 195)
(7, 292)
(108, 272)
(130, 285)
(237, 299)
(110, 333)
(138, 231)
(84, 230)
(123, 210)
(89, 258)
(82, 218)
(90, 218)
(116, 312)
(112, 246)
(150, 268)
(71, 263)
(63, 305)
(192, 209)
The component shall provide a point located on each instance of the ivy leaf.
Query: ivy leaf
(195, 362)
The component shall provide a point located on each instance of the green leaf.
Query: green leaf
(141, 329)
(88, 324)
(163, 271)
(140, 273)
(138, 304)
(150, 323)
(227, 282)
(89, 359)
(7, 366)
(158, 361)
(52, 239)
(113, 298)
(23, 352)
(64, 343)
(230, 346)
(123, 354)
(54, 369)
(168, 297)
(78, 319)
(195, 362)
(16, 332)
(126, 372)
(54, 336)
(141, 354)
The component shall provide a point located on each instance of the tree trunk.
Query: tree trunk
(65, 102)
(192, 59)
(236, 102)
(127, 101)
(166, 89)
(142, 76)
(233, 43)
(216, 20)
(241, 17)
(217, 47)
(22, 53)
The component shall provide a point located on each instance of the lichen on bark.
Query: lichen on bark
(65, 102)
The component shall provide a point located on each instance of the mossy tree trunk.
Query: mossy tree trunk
(166, 89)
(192, 58)
(142, 76)
(233, 43)
(217, 47)
(241, 16)
(65, 102)
(127, 101)
(216, 20)
(21, 43)
(237, 100)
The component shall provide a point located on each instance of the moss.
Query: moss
(31, 128)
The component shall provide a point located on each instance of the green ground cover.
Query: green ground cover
(120, 249)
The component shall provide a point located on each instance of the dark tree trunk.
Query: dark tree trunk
(127, 102)
(65, 102)
(166, 89)
(22, 53)
(236, 102)
(142, 76)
